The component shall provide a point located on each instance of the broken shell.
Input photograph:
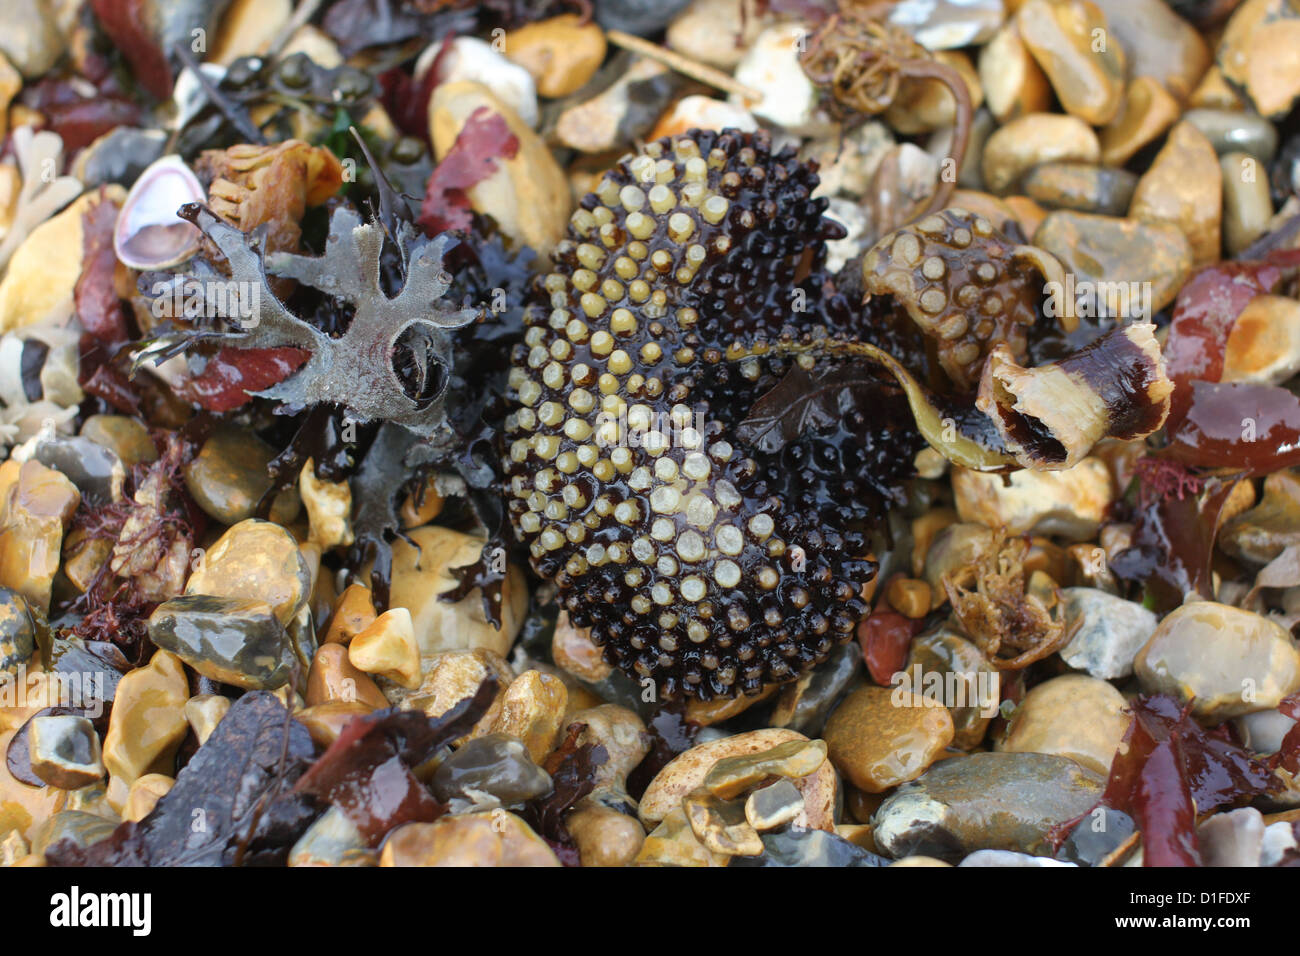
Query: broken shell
(149, 234)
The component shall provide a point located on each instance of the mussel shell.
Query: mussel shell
(149, 234)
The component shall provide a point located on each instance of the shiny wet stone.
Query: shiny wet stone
(231, 640)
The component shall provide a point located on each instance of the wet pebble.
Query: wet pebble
(805, 704)
(1261, 534)
(468, 59)
(623, 735)
(329, 508)
(1082, 187)
(1257, 54)
(1035, 138)
(451, 677)
(1073, 716)
(1247, 203)
(126, 437)
(1184, 186)
(17, 632)
(575, 652)
(65, 751)
(81, 829)
(333, 677)
(258, 561)
(1279, 844)
(625, 110)
(1109, 634)
(1236, 131)
(387, 648)
(1157, 43)
(949, 660)
(673, 843)
(332, 840)
(1234, 838)
(702, 112)
(229, 477)
(232, 640)
(1264, 342)
(793, 847)
(532, 710)
(203, 712)
(1145, 113)
(561, 53)
(31, 39)
(148, 718)
(1062, 36)
(144, 794)
(493, 770)
(34, 512)
(498, 838)
(605, 837)
(880, 737)
(1013, 82)
(1070, 503)
(1097, 836)
(774, 805)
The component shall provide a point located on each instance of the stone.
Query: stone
(82, 829)
(96, 471)
(333, 677)
(774, 805)
(1025, 142)
(144, 795)
(793, 847)
(327, 720)
(1073, 716)
(527, 195)
(1263, 731)
(804, 704)
(879, 738)
(203, 712)
(329, 508)
(1108, 634)
(451, 677)
(23, 807)
(687, 771)
(332, 840)
(230, 476)
(255, 560)
(388, 649)
(921, 861)
(31, 39)
(1233, 838)
(673, 843)
(1224, 661)
(493, 770)
(231, 640)
(422, 573)
(1013, 82)
(576, 653)
(623, 735)
(468, 59)
(732, 776)
(471, 839)
(1261, 534)
(605, 837)
(954, 547)
(1070, 503)
(1257, 53)
(34, 512)
(720, 825)
(147, 722)
(1120, 252)
(909, 597)
(11, 82)
(1097, 836)
(639, 17)
(17, 632)
(901, 187)
(1236, 131)
(702, 112)
(959, 664)
(1087, 76)
(1184, 186)
(248, 28)
(706, 713)
(1247, 204)
(985, 801)
(561, 53)
(1082, 187)
(1009, 858)
(1264, 343)
(65, 751)
(422, 504)
(125, 437)
(1146, 112)
(1214, 93)
(718, 32)
(353, 612)
(948, 24)
(1157, 43)
(1279, 844)
(532, 711)
(622, 112)
(771, 68)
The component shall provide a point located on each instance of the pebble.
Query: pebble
(1109, 633)
(641, 17)
(1261, 534)
(732, 776)
(605, 837)
(259, 561)
(421, 574)
(388, 648)
(126, 437)
(702, 112)
(1264, 730)
(673, 843)
(623, 735)
(96, 471)
(1107, 249)
(451, 677)
(1184, 186)
(1235, 130)
(17, 632)
(498, 838)
(879, 738)
(229, 477)
(1224, 660)
(687, 771)
(83, 829)
(527, 195)
(203, 712)
(576, 653)
(1247, 204)
(1097, 836)
(957, 663)
(329, 508)
(493, 770)
(793, 847)
(787, 97)
(623, 112)
(144, 795)
(533, 711)
(948, 24)
(231, 640)
(857, 227)
(1009, 858)
(471, 60)
(1087, 76)
(326, 721)
(34, 512)
(1073, 716)
(718, 32)
(148, 718)
(1082, 187)
(1070, 503)
(353, 612)
(1234, 838)
(1025, 142)
(1157, 43)
(805, 704)
(248, 28)
(1146, 112)
(706, 713)
(1264, 343)
(332, 840)
(1013, 82)
(774, 805)
(903, 183)
(23, 807)
(955, 547)
(422, 504)
(333, 677)
(985, 801)
(65, 751)
(31, 39)
(1279, 842)
(562, 54)
(1257, 54)
(720, 825)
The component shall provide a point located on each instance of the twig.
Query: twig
(683, 65)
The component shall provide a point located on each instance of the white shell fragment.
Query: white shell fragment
(149, 234)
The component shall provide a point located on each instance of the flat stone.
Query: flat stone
(1073, 716)
(533, 711)
(1025, 142)
(879, 737)
(388, 648)
(561, 53)
(1184, 186)
(256, 560)
(1236, 131)
(147, 722)
(231, 640)
(1224, 661)
(1157, 43)
(1109, 633)
(1145, 113)
(1014, 84)
(1070, 502)
(1062, 36)
(1264, 343)
(1261, 534)
(1247, 203)
(473, 839)
(957, 663)
(229, 477)
(1083, 187)
(774, 805)
(65, 751)
(494, 770)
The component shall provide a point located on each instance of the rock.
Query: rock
(771, 68)
(333, 677)
(1257, 54)
(388, 648)
(687, 771)
(623, 735)
(1082, 187)
(948, 24)
(248, 28)
(719, 710)
(230, 476)
(494, 770)
(451, 677)
(902, 185)
(1223, 660)
(702, 112)
(326, 721)
(718, 32)
(203, 712)
(1264, 342)
(922, 861)
(17, 632)
(1214, 93)
(422, 573)
(1146, 112)
(31, 39)
(527, 195)
(640, 17)
(1279, 842)
(1120, 252)
(879, 738)
(1070, 503)
(1234, 130)
(574, 651)
(562, 54)
(1261, 534)
(1247, 204)
(65, 751)
(1185, 187)
(955, 547)
(11, 83)
(959, 665)
(34, 511)
(1109, 634)
(1013, 82)
(720, 825)
(471, 60)
(774, 805)
(96, 471)
(125, 437)
(1020, 145)
(332, 840)
(1234, 838)
(673, 843)
(82, 829)
(231, 640)
(804, 704)
(732, 776)
(329, 508)
(472, 839)
(1073, 716)
(624, 111)
(1009, 858)
(22, 807)
(353, 612)
(1097, 836)
(1263, 731)
(144, 795)
(793, 847)
(256, 560)
(605, 837)
(119, 156)
(147, 722)
(1087, 75)
(985, 801)
(1157, 43)
(533, 711)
